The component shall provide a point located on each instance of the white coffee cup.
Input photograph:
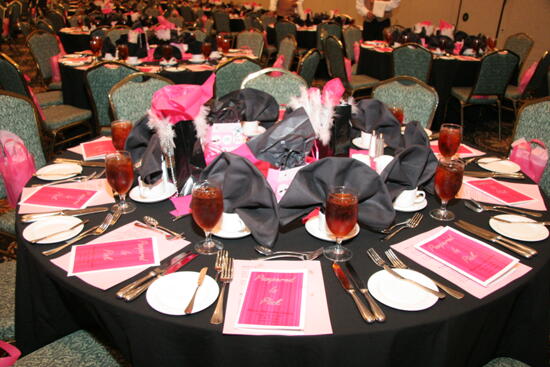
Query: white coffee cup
(231, 222)
(409, 198)
(381, 162)
(133, 60)
(215, 55)
(250, 127)
(109, 56)
(365, 139)
(197, 57)
(151, 191)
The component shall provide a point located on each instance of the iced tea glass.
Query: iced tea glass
(341, 210)
(450, 137)
(448, 180)
(120, 175)
(207, 209)
(120, 129)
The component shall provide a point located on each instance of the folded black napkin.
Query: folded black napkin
(176, 53)
(247, 193)
(144, 148)
(287, 143)
(245, 105)
(444, 43)
(108, 47)
(372, 115)
(311, 184)
(415, 134)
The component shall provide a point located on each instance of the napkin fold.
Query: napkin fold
(247, 193)
(144, 148)
(176, 53)
(415, 134)
(372, 115)
(244, 105)
(311, 185)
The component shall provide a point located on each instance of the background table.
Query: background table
(469, 332)
(75, 42)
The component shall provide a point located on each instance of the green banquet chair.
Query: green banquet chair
(43, 46)
(230, 74)
(282, 87)
(252, 39)
(287, 48)
(505, 362)
(412, 59)
(520, 44)
(307, 66)
(7, 301)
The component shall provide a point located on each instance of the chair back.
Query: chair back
(325, 30)
(307, 67)
(200, 35)
(100, 78)
(282, 87)
(520, 44)
(533, 123)
(284, 28)
(221, 22)
(19, 116)
(252, 39)
(536, 87)
(230, 74)
(100, 32)
(14, 10)
(413, 60)
(187, 14)
(417, 99)
(254, 22)
(351, 35)
(287, 48)
(116, 32)
(131, 97)
(151, 11)
(268, 19)
(43, 46)
(11, 77)
(334, 56)
(56, 18)
(45, 25)
(495, 73)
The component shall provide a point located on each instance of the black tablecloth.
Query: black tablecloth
(305, 39)
(74, 42)
(469, 332)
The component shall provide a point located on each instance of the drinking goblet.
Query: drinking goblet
(96, 43)
(122, 52)
(397, 113)
(206, 49)
(207, 209)
(120, 129)
(341, 215)
(448, 180)
(120, 175)
(450, 136)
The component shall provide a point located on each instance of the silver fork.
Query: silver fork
(413, 223)
(221, 258)
(380, 262)
(226, 278)
(390, 229)
(397, 263)
(71, 179)
(94, 231)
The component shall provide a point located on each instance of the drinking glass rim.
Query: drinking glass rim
(451, 125)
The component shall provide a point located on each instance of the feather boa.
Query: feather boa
(319, 110)
(163, 128)
(201, 123)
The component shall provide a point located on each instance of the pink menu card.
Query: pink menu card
(113, 255)
(281, 180)
(472, 258)
(97, 149)
(274, 299)
(60, 197)
(223, 137)
(497, 190)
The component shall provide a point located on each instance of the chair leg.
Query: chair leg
(461, 114)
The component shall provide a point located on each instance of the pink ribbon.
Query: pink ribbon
(13, 354)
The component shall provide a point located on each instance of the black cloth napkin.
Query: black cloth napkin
(247, 193)
(108, 47)
(245, 105)
(372, 114)
(415, 134)
(285, 144)
(311, 185)
(176, 53)
(144, 147)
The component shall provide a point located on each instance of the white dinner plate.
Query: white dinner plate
(413, 208)
(135, 194)
(199, 61)
(72, 63)
(359, 143)
(258, 131)
(50, 225)
(498, 165)
(171, 293)
(400, 294)
(519, 231)
(58, 171)
(312, 227)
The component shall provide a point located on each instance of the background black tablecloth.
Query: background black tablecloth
(74, 42)
(514, 321)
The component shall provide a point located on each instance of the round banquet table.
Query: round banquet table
(512, 321)
(75, 42)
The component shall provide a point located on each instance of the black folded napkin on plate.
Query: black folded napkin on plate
(415, 134)
(137, 49)
(144, 147)
(247, 193)
(176, 53)
(311, 184)
(122, 40)
(287, 143)
(108, 47)
(371, 114)
(245, 105)
(412, 167)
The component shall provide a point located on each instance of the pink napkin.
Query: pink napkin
(109, 278)
(312, 214)
(186, 56)
(278, 64)
(408, 249)
(356, 51)
(458, 47)
(54, 65)
(104, 195)
(333, 90)
(182, 205)
(444, 25)
(527, 75)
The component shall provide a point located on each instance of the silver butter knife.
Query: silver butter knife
(359, 284)
(27, 218)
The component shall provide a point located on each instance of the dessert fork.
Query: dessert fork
(413, 223)
(226, 278)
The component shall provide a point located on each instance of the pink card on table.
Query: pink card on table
(274, 300)
(281, 180)
(113, 255)
(461, 150)
(497, 190)
(470, 257)
(97, 149)
(60, 197)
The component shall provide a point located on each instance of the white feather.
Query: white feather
(201, 123)
(163, 128)
(319, 110)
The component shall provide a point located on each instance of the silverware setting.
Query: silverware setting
(221, 258)
(150, 221)
(272, 255)
(479, 207)
(80, 162)
(226, 277)
(546, 223)
(200, 280)
(412, 223)
(71, 179)
(366, 314)
(380, 262)
(27, 218)
(359, 284)
(397, 263)
(517, 175)
(59, 232)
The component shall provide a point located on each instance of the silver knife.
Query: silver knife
(514, 246)
(82, 163)
(518, 175)
(27, 218)
(359, 284)
(344, 281)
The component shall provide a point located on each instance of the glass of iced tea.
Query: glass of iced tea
(450, 137)
(206, 49)
(96, 43)
(448, 180)
(397, 113)
(120, 129)
(122, 52)
(341, 208)
(120, 175)
(207, 209)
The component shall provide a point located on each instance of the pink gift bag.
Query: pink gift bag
(531, 159)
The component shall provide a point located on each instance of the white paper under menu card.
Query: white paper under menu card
(379, 8)
(282, 298)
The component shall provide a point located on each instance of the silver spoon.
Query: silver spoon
(269, 252)
(478, 208)
(154, 223)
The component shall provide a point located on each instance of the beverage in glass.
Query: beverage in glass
(397, 113)
(207, 209)
(206, 49)
(96, 43)
(450, 136)
(448, 180)
(341, 209)
(226, 45)
(120, 175)
(120, 129)
(167, 52)
(122, 52)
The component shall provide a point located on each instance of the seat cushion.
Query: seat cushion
(505, 362)
(47, 99)
(462, 94)
(54, 86)
(7, 222)
(59, 116)
(362, 81)
(512, 92)
(7, 301)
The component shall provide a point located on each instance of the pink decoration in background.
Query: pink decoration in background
(5, 27)
(444, 25)
(333, 91)
(182, 205)
(347, 64)
(526, 77)
(279, 63)
(458, 47)
(356, 51)
(532, 160)
(164, 23)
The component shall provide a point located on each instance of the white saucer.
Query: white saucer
(135, 194)
(519, 231)
(199, 61)
(170, 294)
(58, 171)
(166, 63)
(258, 131)
(497, 165)
(312, 227)
(400, 294)
(72, 63)
(134, 63)
(50, 225)
(359, 143)
(416, 207)
(220, 232)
